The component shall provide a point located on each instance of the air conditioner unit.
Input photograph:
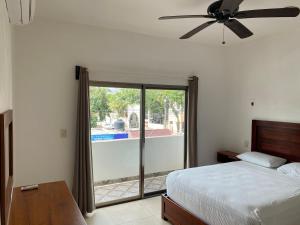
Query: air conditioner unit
(20, 12)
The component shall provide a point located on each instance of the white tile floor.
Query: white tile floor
(142, 212)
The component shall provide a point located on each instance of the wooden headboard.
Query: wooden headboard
(6, 164)
(276, 138)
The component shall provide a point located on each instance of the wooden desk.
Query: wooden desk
(51, 204)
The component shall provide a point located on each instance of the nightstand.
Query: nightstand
(227, 156)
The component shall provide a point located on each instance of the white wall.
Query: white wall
(268, 72)
(46, 91)
(5, 60)
(115, 159)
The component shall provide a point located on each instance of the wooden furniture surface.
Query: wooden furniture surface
(50, 204)
(6, 164)
(274, 138)
(176, 214)
(227, 156)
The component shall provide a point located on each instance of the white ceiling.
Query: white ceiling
(140, 16)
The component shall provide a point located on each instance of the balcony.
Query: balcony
(116, 165)
(116, 123)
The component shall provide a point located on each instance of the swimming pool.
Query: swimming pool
(102, 137)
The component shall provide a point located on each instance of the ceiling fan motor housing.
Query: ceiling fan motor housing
(221, 16)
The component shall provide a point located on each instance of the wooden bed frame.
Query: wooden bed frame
(274, 138)
(6, 165)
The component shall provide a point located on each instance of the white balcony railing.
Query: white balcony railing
(116, 159)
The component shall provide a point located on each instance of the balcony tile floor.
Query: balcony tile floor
(112, 192)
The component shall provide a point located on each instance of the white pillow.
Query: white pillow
(291, 169)
(262, 159)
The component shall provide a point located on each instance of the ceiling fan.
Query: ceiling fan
(227, 12)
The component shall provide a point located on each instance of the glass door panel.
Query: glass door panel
(164, 136)
(115, 136)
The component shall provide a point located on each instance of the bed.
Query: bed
(239, 193)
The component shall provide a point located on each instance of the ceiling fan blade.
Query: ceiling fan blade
(238, 28)
(184, 17)
(197, 29)
(229, 6)
(265, 13)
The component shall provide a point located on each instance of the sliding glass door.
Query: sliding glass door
(164, 148)
(115, 136)
(138, 135)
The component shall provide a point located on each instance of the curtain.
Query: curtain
(192, 122)
(83, 187)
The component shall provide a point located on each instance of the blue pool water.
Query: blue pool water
(100, 137)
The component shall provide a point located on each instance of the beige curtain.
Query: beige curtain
(83, 187)
(192, 122)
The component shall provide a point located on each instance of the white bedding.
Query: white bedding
(237, 193)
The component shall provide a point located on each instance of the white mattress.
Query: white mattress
(237, 193)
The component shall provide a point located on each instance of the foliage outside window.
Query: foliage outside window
(105, 101)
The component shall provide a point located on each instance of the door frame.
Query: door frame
(143, 138)
(143, 88)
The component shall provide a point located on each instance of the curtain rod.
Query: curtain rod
(77, 69)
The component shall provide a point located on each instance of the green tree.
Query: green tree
(99, 102)
(155, 104)
(158, 102)
(120, 100)
(94, 121)
(176, 103)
